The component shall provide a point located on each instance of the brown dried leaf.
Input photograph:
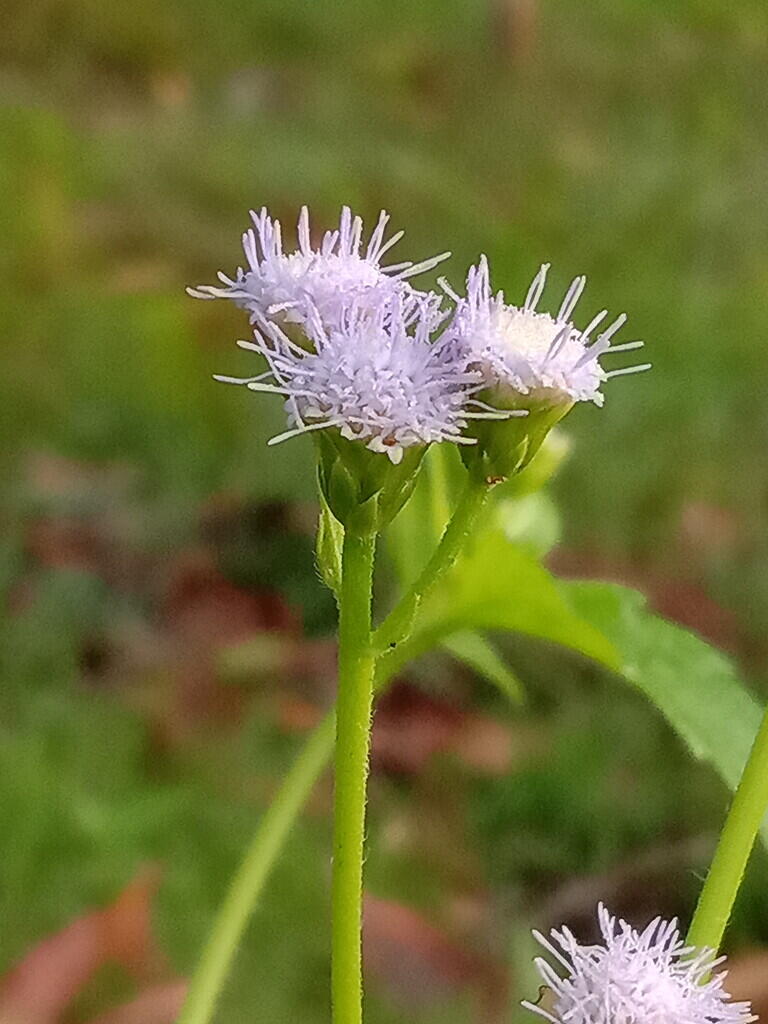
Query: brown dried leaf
(411, 727)
(41, 986)
(204, 614)
(748, 979)
(420, 964)
(159, 1004)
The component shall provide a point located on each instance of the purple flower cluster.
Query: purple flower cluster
(352, 344)
(648, 977)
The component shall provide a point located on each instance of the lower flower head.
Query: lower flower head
(524, 352)
(376, 378)
(648, 977)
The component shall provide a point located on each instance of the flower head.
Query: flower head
(528, 352)
(375, 377)
(648, 977)
(325, 281)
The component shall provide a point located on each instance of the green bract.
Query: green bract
(363, 489)
(506, 447)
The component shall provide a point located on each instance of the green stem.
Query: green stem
(397, 624)
(353, 728)
(248, 882)
(274, 826)
(749, 806)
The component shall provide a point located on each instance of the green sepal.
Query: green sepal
(399, 484)
(505, 447)
(328, 544)
(542, 467)
(363, 489)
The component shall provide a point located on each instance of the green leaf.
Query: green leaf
(480, 654)
(495, 585)
(695, 687)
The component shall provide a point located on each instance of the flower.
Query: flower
(528, 352)
(375, 377)
(648, 977)
(327, 280)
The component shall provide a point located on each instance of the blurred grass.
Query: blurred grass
(627, 141)
(626, 144)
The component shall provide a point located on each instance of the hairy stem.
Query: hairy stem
(275, 825)
(353, 728)
(749, 806)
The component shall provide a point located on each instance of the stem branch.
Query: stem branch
(396, 625)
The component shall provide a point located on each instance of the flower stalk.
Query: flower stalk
(748, 809)
(273, 828)
(397, 624)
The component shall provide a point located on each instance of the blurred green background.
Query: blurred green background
(167, 643)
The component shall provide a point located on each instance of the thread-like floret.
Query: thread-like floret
(633, 977)
(328, 280)
(526, 351)
(376, 377)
